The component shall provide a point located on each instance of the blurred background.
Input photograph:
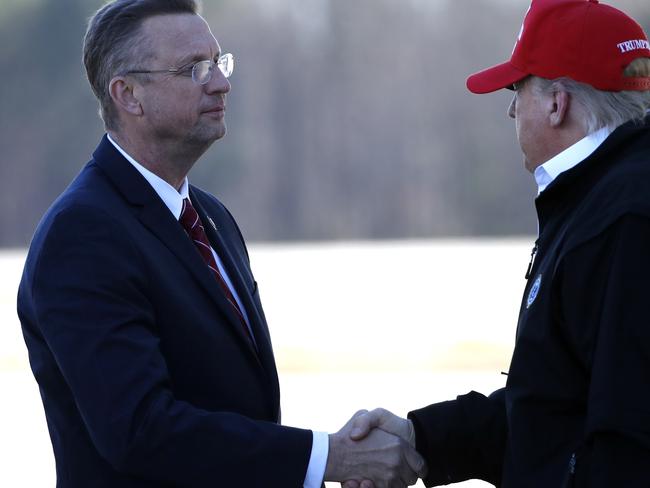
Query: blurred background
(347, 119)
(364, 175)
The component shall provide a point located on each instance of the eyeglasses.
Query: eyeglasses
(201, 72)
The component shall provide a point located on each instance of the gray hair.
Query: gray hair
(603, 108)
(113, 43)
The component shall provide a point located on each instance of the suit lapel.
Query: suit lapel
(175, 238)
(154, 215)
(255, 319)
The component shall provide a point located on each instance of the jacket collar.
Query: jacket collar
(614, 142)
(573, 183)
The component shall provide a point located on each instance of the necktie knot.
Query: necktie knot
(189, 218)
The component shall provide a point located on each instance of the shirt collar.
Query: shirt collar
(570, 157)
(172, 198)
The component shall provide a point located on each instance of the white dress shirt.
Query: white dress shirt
(173, 200)
(569, 158)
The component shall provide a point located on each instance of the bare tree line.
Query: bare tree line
(347, 119)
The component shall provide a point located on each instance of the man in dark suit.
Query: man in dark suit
(139, 309)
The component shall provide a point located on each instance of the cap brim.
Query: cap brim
(495, 78)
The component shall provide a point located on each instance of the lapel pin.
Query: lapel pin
(212, 223)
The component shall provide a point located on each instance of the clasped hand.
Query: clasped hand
(374, 450)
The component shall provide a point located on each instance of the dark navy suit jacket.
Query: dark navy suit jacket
(146, 374)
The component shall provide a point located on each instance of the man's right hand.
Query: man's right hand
(372, 456)
(364, 423)
(380, 418)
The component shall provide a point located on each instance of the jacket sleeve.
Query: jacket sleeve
(88, 298)
(462, 439)
(606, 302)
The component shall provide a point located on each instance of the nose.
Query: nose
(511, 107)
(218, 83)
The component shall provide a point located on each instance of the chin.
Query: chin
(216, 131)
(222, 132)
(207, 135)
(530, 167)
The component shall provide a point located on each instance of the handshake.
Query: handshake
(374, 450)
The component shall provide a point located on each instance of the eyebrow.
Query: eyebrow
(195, 58)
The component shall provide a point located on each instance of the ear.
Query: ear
(121, 91)
(559, 110)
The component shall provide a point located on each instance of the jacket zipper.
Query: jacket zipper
(532, 260)
(572, 464)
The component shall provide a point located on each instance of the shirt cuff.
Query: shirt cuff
(318, 460)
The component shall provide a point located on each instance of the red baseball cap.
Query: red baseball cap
(584, 40)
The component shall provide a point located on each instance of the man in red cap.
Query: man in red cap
(575, 411)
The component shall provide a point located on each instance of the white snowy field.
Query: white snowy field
(355, 325)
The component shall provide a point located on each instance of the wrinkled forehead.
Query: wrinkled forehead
(175, 37)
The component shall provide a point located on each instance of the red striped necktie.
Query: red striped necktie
(192, 224)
